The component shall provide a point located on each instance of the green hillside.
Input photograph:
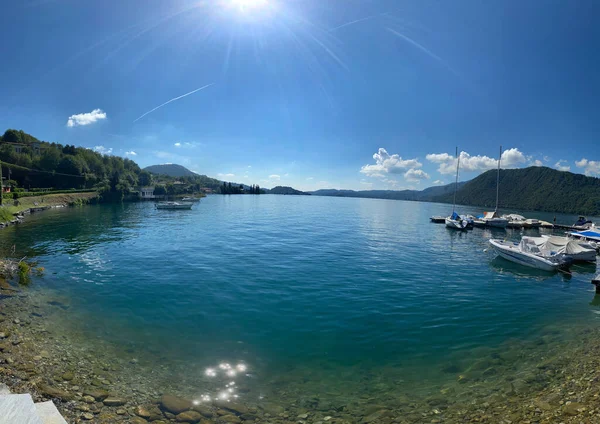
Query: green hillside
(286, 190)
(534, 188)
(171, 170)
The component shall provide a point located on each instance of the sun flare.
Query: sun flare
(248, 4)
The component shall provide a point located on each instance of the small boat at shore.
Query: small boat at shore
(174, 205)
(527, 253)
(191, 199)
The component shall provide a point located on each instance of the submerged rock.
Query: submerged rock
(150, 412)
(189, 417)
(233, 419)
(97, 394)
(573, 409)
(54, 392)
(236, 408)
(175, 404)
(113, 401)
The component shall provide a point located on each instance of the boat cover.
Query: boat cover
(554, 245)
(588, 234)
(515, 217)
(455, 216)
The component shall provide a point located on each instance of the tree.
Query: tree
(145, 178)
(11, 136)
(160, 190)
(69, 165)
(49, 160)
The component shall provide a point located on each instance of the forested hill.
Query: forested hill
(286, 190)
(418, 195)
(171, 170)
(534, 188)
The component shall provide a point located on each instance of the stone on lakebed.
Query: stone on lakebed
(175, 404)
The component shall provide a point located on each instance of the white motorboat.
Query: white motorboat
(455, 221)
(527, 253)
(579, 250)
(174, 205)
(191, 199)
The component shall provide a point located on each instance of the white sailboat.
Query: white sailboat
(493, 219)
(454, 221)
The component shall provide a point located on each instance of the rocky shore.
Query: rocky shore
(551, 378)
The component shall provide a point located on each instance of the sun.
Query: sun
(248, 4)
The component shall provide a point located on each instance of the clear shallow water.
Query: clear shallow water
(309, 285)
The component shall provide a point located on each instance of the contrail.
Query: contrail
(172, 100)
(368, 18)
(420, 47)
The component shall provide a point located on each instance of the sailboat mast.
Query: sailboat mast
(498, 179)
(456, 183)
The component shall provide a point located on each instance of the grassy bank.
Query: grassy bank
(9, 209)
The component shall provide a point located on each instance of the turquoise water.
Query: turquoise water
(287, 283)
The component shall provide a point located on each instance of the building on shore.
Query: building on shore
(147, 193)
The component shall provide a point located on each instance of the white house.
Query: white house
(147, 193)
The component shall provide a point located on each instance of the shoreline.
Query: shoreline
(36, 204)
(548, 378)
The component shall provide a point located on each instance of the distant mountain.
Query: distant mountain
(534, 188)
(171, 170)
(417, 195)
(286, 190)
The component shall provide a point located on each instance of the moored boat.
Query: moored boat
(455, 221)
(191, 199)
(578, 250)
(174, 205)
(437, 219)
(493, 219)
(527, 253)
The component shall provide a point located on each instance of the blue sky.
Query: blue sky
(345, 94)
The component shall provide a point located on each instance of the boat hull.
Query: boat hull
(178, 206)
(495, 222)
(456, 224)
(510, 252)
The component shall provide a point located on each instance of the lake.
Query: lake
(293, 296)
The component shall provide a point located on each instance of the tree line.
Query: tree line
(33, 164)
(228, 188)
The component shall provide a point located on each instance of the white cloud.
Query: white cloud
(416, 175)
(561, 165)
(310, 178)
(274, 177)
(130, 153)
(86, 118)
(220, 175)
(546, 159)
(389, 164)
(439, 182)
(186, 145)
(511, 158)
(536, 162)
(591, 167)
(103, 150)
